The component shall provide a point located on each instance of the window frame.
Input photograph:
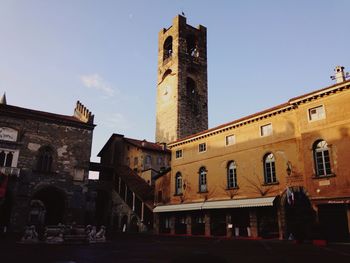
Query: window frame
(168, 48)
(178, 184)
(270, 175)
(180, 155)
(226, 140)
(14, 158)
(231, 177)
(261, 130)
(202, 182)
(202, 150)
(317, 118)
(45, 159)
(324, 153)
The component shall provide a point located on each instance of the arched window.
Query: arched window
(45, 159)
(178, 183)
(202, 180)
(2, 158)
(321, 158)
(6, 158)
(192, 94)
(191, 88)
(269, 169)
(192, 48)
(168, 48)
(9, 158)
(231, 175)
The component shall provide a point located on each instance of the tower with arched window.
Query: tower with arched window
(182, 89)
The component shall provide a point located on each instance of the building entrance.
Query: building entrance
(47, 206)
(218, 223)
(333, 221)
(300, 217)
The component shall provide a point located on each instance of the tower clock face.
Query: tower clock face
(166, 92)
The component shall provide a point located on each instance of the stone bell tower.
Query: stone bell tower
(182, 87)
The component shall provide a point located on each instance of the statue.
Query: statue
(55, 235)
(92, 234)
(30, 234)
(101, 235)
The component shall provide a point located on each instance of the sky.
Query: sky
(104, 54)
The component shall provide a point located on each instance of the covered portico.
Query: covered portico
(250, 217)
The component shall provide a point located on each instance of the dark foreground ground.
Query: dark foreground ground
(174, 249)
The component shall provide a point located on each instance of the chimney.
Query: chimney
(3, 99)
(163, 144)
(83, 114)
(339, 74)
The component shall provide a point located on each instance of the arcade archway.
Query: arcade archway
(48, 206)
(298, 213)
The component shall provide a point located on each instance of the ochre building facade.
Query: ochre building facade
(282, 172)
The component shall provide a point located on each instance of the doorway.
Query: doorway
(52, 201)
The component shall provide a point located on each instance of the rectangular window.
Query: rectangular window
(316, 113)
(202, 147)
(178, 154)
(230, 140)
(266, 130)
(136, 161)
(160, 160)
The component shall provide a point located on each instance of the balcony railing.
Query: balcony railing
(12, 171)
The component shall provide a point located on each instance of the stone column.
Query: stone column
(280, 219)
(156, 223)
(188, 225)
(207, 223)
(229, 226)
(172, 225)
(348, 214)
(253, 222)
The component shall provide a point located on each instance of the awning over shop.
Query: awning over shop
(180, 207)
(239, 203)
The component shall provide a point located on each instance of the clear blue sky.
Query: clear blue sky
(104, 53)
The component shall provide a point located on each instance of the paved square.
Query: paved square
(174, 249)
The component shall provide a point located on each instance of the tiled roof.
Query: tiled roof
(145, 144)
(267, 111)
(137, 143)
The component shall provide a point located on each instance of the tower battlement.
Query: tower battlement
(83, 114)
